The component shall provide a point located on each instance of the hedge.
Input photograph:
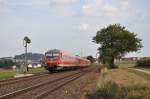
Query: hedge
(143, 63)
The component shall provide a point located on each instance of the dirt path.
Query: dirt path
(143, 70)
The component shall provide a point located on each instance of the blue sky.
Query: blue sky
(68, 24)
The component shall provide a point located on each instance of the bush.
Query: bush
(143, 63)
(6, 63)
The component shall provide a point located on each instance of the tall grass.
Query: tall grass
(107, 88)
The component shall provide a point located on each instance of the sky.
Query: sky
(69, 25)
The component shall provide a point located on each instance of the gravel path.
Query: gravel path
(143, 70)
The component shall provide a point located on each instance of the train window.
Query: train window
(49, 54)
(55, 54)
(52, 56)
(55, 57)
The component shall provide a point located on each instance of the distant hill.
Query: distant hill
(30, 56)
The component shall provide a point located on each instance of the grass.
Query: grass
(37, 71)
(126, 62)
(132, 65)
(4, 74)
(142, 74)
(121, 84)
(9, 73)
(111, 90)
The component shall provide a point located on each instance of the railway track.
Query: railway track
(19, 79)
(42, 89)
(22, 83)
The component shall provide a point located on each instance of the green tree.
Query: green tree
(91, 59)
(116, 41)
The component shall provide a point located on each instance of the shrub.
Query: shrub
(143, 63)
(5, 63)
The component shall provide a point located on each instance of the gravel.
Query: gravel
(76, 89)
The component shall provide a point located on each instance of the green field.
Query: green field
(9, 73)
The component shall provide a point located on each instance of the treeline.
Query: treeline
(30, 56)
(5, 63)
(143, 63)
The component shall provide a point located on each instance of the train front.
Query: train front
(52, 59)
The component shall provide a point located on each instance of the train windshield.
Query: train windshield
(52, 56)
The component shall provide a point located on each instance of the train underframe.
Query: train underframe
(53, 68)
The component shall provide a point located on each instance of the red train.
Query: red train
(56, 59)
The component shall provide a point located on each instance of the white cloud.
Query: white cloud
(55, 7)
(62, 2)
(110, 10)
(124, 3)
(84, 27)
(99, 8)
(89, 28)
(88, 9)
(61, 11)
(37, 2)
(66, 2)
(33, 3)
(91, 8)
(62, 7)
(120, 10)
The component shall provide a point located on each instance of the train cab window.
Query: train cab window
(52, 56)
(55, 56)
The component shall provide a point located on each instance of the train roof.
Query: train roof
(54, 50)
(66, 53)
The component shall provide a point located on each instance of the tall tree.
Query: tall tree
(116, 41)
